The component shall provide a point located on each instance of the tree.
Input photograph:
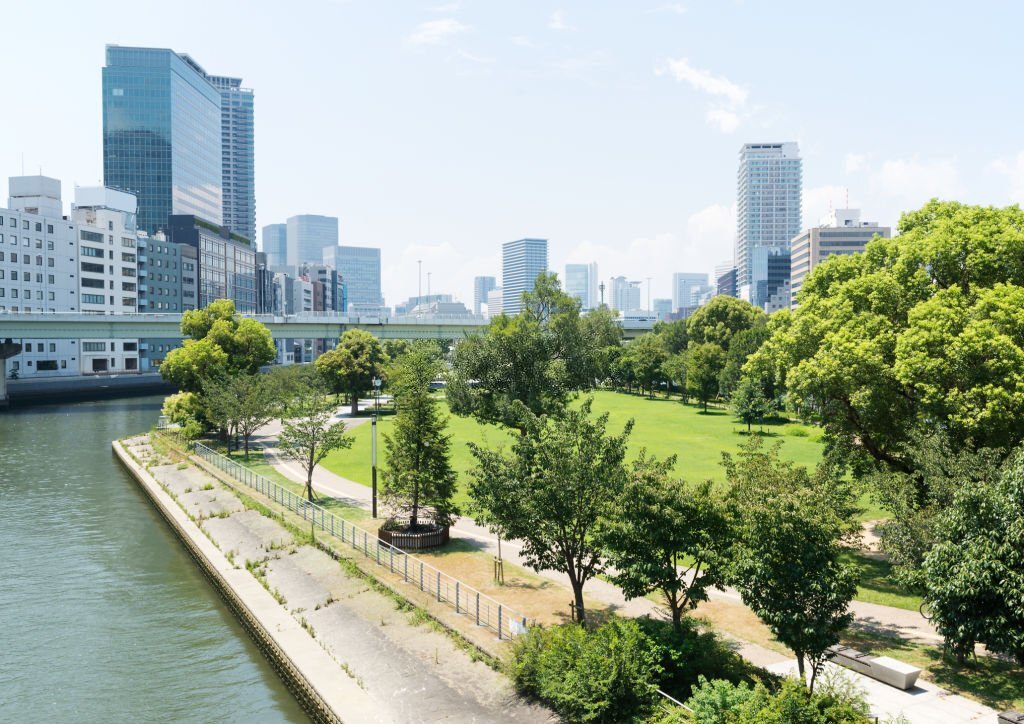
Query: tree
(919, 331)
(309, 433)
(350, 367)
(704, 364)
(646, 355)
(674, 371)
(527, 364)
(743, 344)
(222, 343)
(418, 476)
(245, 403)
(563, 475)
(750, 403)
(974, 575)
(721, 318)
(786, 562)
(667, 536)
(673, 334)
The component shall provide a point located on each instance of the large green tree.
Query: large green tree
(563, 476)
(704, 363)
(667, 537)
(787, 562)
(527, 364)
(418, 477)
(974, 575)
(242, 404)
(646, 355)
(721, 318)
(350, 367)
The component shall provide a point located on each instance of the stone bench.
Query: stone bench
(880, 668)
(1011, 717)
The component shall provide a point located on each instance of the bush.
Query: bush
(690, 654)
(720, 702)
(607, 675)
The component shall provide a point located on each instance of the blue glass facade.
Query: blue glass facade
(359, 267)
(238, 155)
(521, 262)
(162, 134)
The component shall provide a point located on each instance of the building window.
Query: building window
(94, 346)
(49, 262)
(92, 236)
(93, 252)
(91, 298)
(49, 228)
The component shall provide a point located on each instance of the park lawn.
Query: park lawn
(877, 584)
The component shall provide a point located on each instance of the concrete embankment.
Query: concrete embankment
(316, 679)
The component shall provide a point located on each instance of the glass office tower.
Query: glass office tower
(359, 267)
(238, 175)
(162, 134)
(522, 261)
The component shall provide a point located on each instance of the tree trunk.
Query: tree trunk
(800, 665)
(677, 618)
(355, 404)
(246, 438)
(581, 612)
(814, 675)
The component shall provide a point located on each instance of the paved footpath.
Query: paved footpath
(886, 620)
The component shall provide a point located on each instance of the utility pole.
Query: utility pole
(601, 287)
(428, 284)
(419, 287)
(648, 294)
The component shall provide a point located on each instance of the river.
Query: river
(105, 617)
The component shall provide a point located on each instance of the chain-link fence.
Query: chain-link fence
(465, 599)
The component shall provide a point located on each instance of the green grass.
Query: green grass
(877, 584)
(997, 683)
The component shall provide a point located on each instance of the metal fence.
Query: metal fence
(466, 600)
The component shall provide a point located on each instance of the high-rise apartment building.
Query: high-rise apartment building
(522, 261)
(237, 155)
(275, 245)
(359, 268)
(684, 284)
(841, 232)
(581, 282)
(481, 287)
(162, 134)
(307, 237)
(769, 184)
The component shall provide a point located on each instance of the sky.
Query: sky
(438, 130)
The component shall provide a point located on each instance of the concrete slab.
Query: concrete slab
(232, 534)
(302, 592)
(210, 503)
(924, 703)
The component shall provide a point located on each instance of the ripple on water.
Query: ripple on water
(106, 617)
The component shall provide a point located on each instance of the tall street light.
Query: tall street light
(373, 442)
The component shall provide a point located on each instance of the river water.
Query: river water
(103, 616)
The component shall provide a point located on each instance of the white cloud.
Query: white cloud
(724, 120)
(520, 40)
(855, 162)
(674, 8)
(705, 81)
(818, 201)
(728, 98)
(1013, 170)
(713, 227)
(445, 8)
(580, 66)
(913, 182)
(479, 59)
(436, 32)
(558, 21)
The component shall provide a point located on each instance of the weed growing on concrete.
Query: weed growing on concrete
(207, 486)
(357, 679)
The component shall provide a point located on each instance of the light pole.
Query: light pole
(648, 294)
(419, 287)
(373, 442)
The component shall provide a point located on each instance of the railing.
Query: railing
(483, 609)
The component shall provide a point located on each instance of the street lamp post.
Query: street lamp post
(373, 442)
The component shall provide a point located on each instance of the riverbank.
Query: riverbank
(30, 391)
(374, 654)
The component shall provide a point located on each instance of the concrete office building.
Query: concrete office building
(238, 170)
(625, 295)
(662, 309)
(581, 282)
(359, 267)
(481, 287)
(771, 268)
(307, 237)
(162, 134)
(275, 246)
(769, 185)
(39, 271)
(840, 232)
(683, 286)
(725, 279)
(522, 261)
(334, 294)
(495, 299)
(226, 261)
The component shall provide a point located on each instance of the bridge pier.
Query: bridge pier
(7, 349)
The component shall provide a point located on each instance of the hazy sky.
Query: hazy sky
(438, 131)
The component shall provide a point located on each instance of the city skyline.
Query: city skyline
(668, 116)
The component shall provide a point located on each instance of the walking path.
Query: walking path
(924, 703)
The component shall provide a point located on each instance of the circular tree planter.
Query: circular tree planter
(423, 536)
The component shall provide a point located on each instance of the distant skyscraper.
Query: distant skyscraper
(308, 236)
(625, 295)
(768, 187)
(581, 282)
(481, 287)
(841, 232)
(662, 308)
(162, 135)
(683, 286)
(237, 155)
(522, 261)
(359, 267)
(725, 279)
(275, 245)
(494, 301)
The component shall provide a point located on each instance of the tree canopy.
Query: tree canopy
(350, 367)
(721, 318)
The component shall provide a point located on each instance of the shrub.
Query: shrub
(607, 675)
(720, 702)
(714, 702)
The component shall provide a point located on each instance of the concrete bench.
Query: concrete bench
(1011, 717)
(880, 668)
